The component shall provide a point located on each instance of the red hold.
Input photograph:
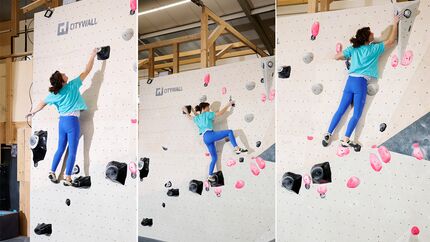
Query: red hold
(315, 30)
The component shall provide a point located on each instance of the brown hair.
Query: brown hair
(56, 82)
(361, 37)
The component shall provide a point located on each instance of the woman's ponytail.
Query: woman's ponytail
(361, 37)
(56, 82)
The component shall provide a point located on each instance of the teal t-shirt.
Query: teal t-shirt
(68, 99)
(204, 121)
(364, 59)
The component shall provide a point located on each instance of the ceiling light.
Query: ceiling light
(164, 7)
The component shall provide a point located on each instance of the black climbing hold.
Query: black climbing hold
(164, 148)
(103, 53)
(382, 127)
(357, 148)
(144, 164)
(149, 81)
(163, 205)
(348, 64)
(321, 173)
(68, 202)
(262, 80)
(132, 12)
(38, 142)
(284, 72)
(292, 181)
(43, 229)
(196, 186)
(146, 222)
(76, 170)
(258, 144)
(407, 13)
(241, 159)
(218, 179)
(168, 184)
(173, 192)
(116, 171)
(313, 37)
(234, 104)
(188, 107)
(82, 182)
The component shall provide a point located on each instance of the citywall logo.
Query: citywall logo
(65, 27)
(160, 91)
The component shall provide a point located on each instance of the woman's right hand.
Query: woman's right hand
(396, 19)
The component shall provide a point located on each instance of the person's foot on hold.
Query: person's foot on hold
(67, 182)
(211, 178)
(347, 143)
(52, 177)
(239, 150)
(326, 139)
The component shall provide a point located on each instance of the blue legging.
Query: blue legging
(68, 132)
(355, 92)
(210, 137)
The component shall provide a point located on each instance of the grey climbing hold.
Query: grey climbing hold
(382, 127)
(372, 89)
(164, 148)
(249, 117)
(317, 88)
(250, 86)
(203, 98)
(241, 159)
(308, 57)
(127, 34)
(258, 144)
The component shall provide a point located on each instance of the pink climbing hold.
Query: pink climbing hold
(231, 163)
(239, 184)
(206, 185)
(133, 6)
(224, 90)
(310, 137)
(342, 151)
(132, 167)
(207, 154)
(407, 58)
(353, 182)
(394, 61)
(133, 120)
(415, 230)
(315, 30)
(417, 153)
(218, 191)
(375, 162)
(260, 162)
(272, 95)
(207, 79)
(384, 154)
(263, 97)
(338, 47)
(322, 190)
(254, 169)
(374, 146)
(307, 180)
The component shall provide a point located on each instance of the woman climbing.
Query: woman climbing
(204, 119)
(66, 97)
(364, 55)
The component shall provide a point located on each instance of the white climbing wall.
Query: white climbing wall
(238, 215)
(107, 211)
(387, 204)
